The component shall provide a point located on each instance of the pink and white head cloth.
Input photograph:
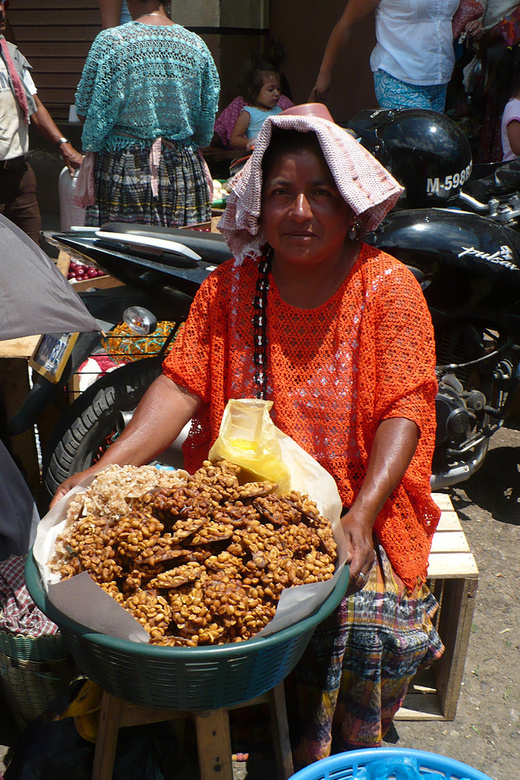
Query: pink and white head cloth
(366, 186)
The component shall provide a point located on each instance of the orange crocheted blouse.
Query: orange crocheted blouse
(334, 373)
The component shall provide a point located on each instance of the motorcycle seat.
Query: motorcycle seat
(210, 246)
(498, 179)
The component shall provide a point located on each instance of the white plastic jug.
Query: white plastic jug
(69, 213)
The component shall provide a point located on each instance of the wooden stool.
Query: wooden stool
(453, 579)
(212, 729)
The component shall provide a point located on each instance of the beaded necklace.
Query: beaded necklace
(260, 325)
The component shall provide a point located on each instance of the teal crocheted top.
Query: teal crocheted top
(143, 81)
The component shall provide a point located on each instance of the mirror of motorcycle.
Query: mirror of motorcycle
(140, 320)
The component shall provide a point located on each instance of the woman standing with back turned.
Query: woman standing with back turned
(148, 94)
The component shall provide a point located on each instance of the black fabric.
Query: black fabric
(17, 508)
(51, 750)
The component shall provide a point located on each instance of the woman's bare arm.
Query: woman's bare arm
(159, 418)
(110, 12)
(355, 10)
(392, 450)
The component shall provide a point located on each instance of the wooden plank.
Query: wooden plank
(449, 542)
(449, 522)
(98, 283)
(57, 64)
(57, 95)
(106, 742)
(52, 16)
(55, 34)
(280, 731)
(419, 706)
(214, 745)
(136, 715)
(48, 81)
(18, 348)
(38, 48)
(442, 500)
(452, 566)
(63, 262)
(67, 5)
(60, 114)
(453, 575)
(455, 619)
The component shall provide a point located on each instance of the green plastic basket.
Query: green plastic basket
(185, 678)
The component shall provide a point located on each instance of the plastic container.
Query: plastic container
(70, 214)
(389, 764)
(185, 678)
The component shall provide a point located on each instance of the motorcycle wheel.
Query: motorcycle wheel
(90, 423)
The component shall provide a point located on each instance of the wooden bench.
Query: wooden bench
(453, 578)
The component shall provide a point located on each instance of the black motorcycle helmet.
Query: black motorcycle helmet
(425, 151)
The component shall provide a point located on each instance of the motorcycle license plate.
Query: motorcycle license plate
(51, 354)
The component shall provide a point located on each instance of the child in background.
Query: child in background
(510, 124)
(263, 92)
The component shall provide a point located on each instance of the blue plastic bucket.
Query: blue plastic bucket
(389, 764)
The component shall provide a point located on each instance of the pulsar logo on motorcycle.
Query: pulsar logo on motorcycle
(503, 256)
(454, 180)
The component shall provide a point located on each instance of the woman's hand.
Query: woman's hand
(392, 450)
(355, 11)
(320, 90)
(360, 545)
(70, 483)
(473, 30)
(158, 419)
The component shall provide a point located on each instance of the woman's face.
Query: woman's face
(304, 218)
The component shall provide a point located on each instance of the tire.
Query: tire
(88, 425)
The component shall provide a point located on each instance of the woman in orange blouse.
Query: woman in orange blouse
(338, 336)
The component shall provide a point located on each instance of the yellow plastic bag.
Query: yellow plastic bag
(85, 709)
(249, 438)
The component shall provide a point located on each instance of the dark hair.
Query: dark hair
(254, 80)
(286, 142)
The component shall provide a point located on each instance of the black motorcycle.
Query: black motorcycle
(457, 231)
(161, 269)
(462, 245)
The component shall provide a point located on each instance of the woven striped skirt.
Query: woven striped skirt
(123, 188)
(357, 667)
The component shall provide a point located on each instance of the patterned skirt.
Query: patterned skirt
(357, 667)
(394, 93)
(123, 188)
